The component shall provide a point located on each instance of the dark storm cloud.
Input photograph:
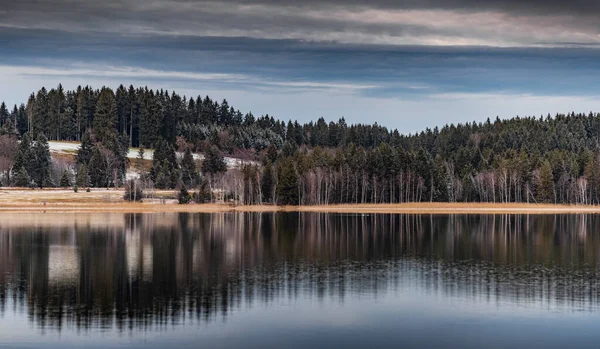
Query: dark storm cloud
(432, 22)
(458, 58)
(533, 6)
(290, 65)
(118, 7)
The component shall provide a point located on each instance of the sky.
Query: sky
(403, 64)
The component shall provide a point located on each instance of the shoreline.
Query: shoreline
(435, 208)
(14, 200)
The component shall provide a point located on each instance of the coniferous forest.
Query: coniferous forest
(549, 159)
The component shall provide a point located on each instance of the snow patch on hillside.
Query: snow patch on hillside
(72, 147)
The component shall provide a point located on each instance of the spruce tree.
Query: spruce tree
(165, 170)
(204, 193)
(97, 169)
(214, 162)
(289, 148)
(546, 184)
(22, 178)
(271, 153)
(40, 112)
(188, 168)
(105, 117)
(287, 183)
(42, 162)
(22, 121)
(65, 180)
(84, 153)
(183, 196)
(3, 114)
(83, 178)
(24, 155)
(150, 121)
(267, 181)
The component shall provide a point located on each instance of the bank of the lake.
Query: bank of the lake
(57, 200)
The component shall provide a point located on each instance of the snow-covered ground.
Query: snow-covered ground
(72, 147)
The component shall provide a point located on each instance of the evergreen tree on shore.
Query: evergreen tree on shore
(267, 182)
(65, 180)
(98, 170)
(83, 178)
(40, 172)
(188, 168)
(22, 178)
(84, 153)
(214, 162)
(287, 183)
(165, 170)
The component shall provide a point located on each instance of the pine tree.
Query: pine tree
(183, 196)
(98, 171)
(289, 148)
(123, 109)
(214, 162)
(67, 125)
(204, 194)
(271, 153)
(161, 179)
(56, 101)
(83, 178)
(24, 155)
(165, 170)
(105, 117)
(82, 111)
(267, 182)
(22, 122)
(287, 183)
(3, 114)
(39, 118)
(22, 178)
(42, 162)
(188, 168)
(84, 153)
(118, 157)
(150, 121)
(65, 180)
(546, 183)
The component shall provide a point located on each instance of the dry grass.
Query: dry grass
(65, 157)
(61, 200)
(139, 164)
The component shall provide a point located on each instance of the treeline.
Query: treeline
(530, 159)
(145, 116)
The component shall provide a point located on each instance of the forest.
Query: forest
(546, 159)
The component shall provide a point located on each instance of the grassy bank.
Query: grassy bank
(56, 200)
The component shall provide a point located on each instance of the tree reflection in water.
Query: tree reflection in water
(135, 271)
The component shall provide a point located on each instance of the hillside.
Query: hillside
(523, 159)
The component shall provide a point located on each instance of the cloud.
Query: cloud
(434, 22)
(383, 71)
(238, 81)
(409, 115)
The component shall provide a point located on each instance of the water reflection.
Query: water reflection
(136, 271)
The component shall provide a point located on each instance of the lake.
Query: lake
(299, 280)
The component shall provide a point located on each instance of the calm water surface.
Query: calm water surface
(299, 281)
